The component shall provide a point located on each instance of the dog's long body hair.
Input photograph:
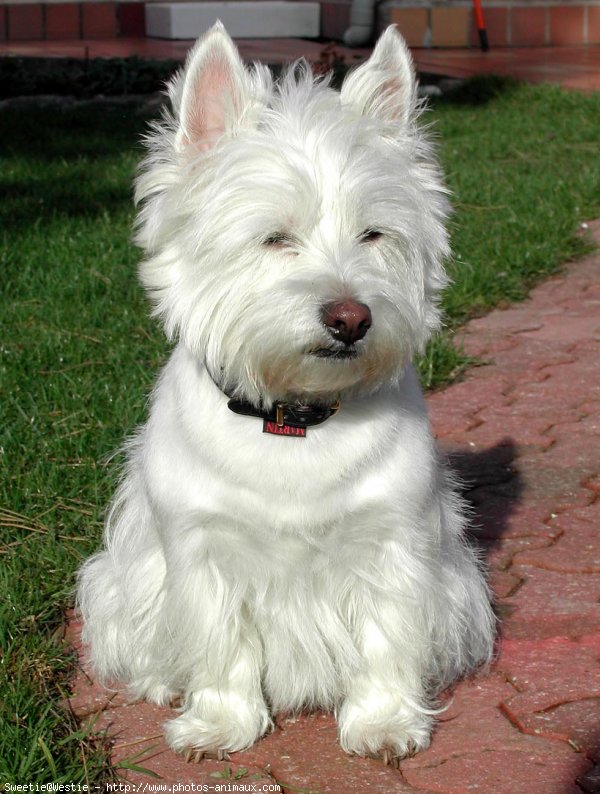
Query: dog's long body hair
(252, 573)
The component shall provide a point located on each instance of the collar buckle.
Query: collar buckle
(279, 414)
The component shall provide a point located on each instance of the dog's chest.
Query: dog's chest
(249, 479)
(204, 463)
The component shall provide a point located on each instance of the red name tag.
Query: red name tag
(283, 430)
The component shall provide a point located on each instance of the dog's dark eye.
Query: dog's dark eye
(370, 235)
(278, 238)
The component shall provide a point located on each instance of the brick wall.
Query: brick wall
(434, 23)
(60, 21)
(518, 24)
(424, 23)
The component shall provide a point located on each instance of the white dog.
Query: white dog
(284, 536)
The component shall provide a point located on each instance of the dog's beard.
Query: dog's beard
(309, 376)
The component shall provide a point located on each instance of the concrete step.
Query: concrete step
(246, 19)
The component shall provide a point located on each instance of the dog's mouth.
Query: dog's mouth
(339, 354)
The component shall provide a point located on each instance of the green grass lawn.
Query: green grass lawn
(79, 354)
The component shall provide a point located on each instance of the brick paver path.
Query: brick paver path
(523, 430)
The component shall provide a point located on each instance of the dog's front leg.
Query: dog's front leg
(385, 712)
(217, 656)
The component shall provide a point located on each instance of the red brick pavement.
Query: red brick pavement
(523, 431)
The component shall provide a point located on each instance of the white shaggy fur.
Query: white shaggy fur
(253, 573)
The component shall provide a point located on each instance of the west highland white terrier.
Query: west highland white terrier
(284, 536)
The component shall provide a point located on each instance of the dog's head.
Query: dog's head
(294, 235)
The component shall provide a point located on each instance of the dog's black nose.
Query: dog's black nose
(347, 321)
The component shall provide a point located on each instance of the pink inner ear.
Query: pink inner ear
(394, 98)
(209, 103)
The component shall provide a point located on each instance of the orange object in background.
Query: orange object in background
(480, 23)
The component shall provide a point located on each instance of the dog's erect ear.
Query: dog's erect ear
(213, 90)
(384, 87)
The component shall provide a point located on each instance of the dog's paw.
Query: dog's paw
(215, 724)
(388, 729)
(391, 757)
(192, 755)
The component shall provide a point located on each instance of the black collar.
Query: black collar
(286, 414)
(283, 418)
